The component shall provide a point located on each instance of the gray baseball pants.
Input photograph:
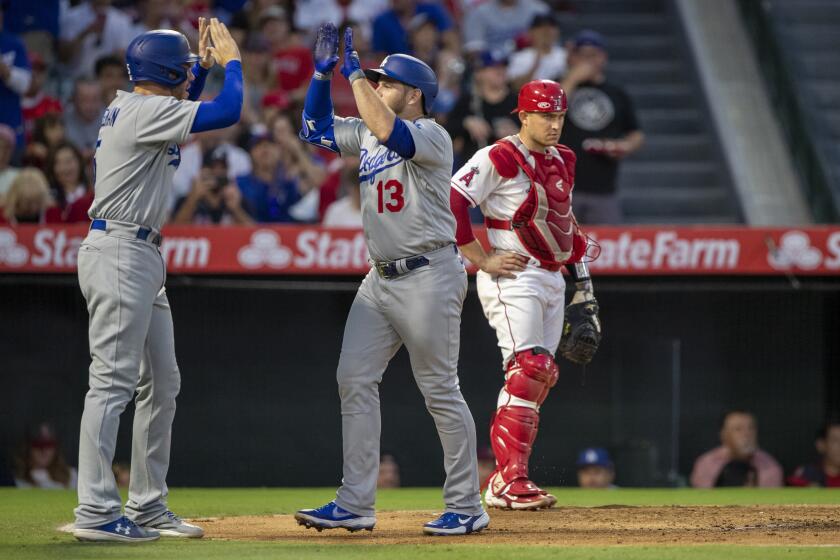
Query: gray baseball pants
(421, 309)
(132, 350)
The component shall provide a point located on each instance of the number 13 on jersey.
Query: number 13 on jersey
(389, 196)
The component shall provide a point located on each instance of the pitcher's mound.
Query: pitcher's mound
(571, 526)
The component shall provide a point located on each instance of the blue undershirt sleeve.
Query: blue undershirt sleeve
(318, 117)
(198, 83)
(401, 140)
(226, 108)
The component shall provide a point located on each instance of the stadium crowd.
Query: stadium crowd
(39, 462)
(63, 63)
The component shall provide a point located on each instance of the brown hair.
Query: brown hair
(50, 168)
(57, 469)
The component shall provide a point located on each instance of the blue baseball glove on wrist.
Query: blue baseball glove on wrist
(325, 53)
(352, 67)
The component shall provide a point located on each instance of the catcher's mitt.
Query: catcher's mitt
(581, 332)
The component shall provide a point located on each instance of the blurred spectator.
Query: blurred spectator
(738, 461)
(544, 59)
(496, 24)
(214, 198)
(28, 200)
(15, 76)
(390, 28)
(36, 103)
(163, 14)
(70, 187)
(486, 464)
(47, 134)
(483, 113)
(600, 127)
(302, 167)
(389, 472)
(36, 23)
(84, 116)
(8, 139)
(309, 14)
(424, 39)
(258, 81)
(595, 468)
(89, 31)
(112, 76)
(826, 471)
(40, 462)
(193, 154)
(291, 62)
(122, 474)
(267, 194)
(346, 212)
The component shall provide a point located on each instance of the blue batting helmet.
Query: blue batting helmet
(158, 56)
(410, 71)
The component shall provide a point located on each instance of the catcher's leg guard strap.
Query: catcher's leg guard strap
(512, 433)
(529, 377)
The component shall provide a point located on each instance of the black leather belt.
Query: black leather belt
(394, 269)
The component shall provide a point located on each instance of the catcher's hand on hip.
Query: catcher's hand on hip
(325, 53)
(581, 331)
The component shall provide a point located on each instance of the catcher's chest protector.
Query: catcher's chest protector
(544, 220)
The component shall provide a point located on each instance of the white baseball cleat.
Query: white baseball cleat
(170, 525)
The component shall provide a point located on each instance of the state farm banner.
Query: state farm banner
(282, 250)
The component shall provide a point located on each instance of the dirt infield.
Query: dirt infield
(572, 526)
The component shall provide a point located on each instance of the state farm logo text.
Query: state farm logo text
(667, 250)
(315, 250)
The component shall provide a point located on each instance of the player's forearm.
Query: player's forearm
(318, 103)
(584, 290)
(378, 117)
(197, 86)
(474, 252)
(226, 108)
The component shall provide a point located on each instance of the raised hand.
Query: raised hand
(352, 67)
(224, 48)
(207, 61)
(325, 53)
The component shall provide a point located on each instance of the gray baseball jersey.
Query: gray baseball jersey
(136, 156)
(405, 203)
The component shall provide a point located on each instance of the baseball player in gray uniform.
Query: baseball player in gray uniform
(122, 275)
(413, 294)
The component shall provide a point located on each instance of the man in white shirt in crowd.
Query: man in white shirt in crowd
(545, 59)
(90, 31)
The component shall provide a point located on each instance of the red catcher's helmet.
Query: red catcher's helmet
(541, 96)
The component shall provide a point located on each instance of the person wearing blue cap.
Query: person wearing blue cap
(595, 468)
(601, 127)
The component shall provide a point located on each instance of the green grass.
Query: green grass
(28, 522)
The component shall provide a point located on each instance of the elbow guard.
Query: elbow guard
(319, 132)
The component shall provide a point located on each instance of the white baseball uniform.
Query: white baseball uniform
(122, 275)
(526, 311)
